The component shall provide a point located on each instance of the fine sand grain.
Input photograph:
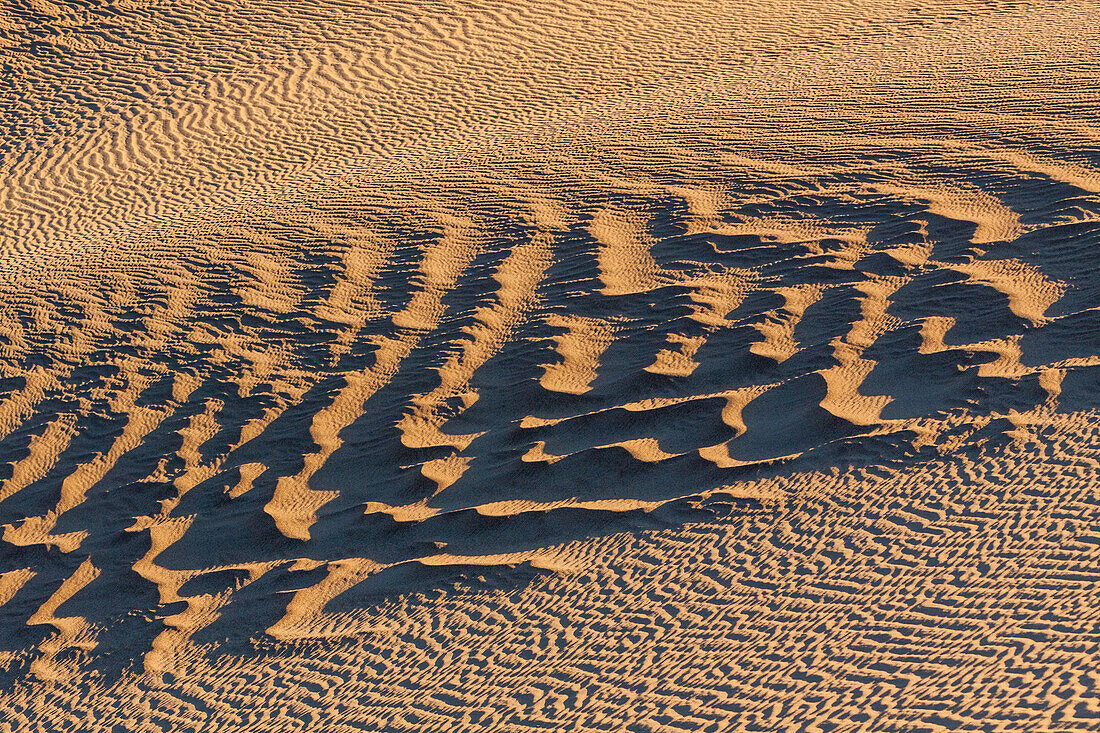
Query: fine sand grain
(511, 365)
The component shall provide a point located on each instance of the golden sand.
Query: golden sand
(722, 365)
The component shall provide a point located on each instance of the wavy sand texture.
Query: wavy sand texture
(498, 365)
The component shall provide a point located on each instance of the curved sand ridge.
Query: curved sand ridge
(344, 345)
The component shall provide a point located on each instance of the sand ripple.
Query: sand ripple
(502, 365)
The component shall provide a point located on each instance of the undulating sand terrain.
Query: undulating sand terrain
(513, 365)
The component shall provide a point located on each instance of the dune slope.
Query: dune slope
(500, 365)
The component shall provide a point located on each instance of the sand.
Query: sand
(722, 365)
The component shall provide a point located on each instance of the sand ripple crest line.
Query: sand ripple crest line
(489, 365)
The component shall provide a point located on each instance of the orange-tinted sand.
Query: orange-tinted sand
(721, 365)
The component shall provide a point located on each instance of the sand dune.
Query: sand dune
(723, 365)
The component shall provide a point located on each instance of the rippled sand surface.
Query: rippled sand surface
(517, 365)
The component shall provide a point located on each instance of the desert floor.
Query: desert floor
(513, 365)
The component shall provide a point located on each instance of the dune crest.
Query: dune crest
(294, 505)
(580, 348)
(72, 631)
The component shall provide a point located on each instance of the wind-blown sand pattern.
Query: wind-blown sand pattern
(719, 365)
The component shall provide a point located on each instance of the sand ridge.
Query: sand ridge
(345, 343)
